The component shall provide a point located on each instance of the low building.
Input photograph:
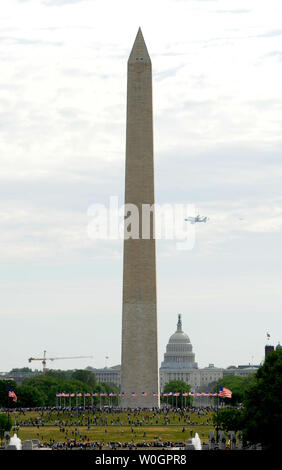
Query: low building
(241, 371)
(107, 374)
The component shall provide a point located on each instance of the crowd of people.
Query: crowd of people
(74, 424)
(110, 416)
(85, 444)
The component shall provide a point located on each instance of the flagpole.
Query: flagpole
(217, 413)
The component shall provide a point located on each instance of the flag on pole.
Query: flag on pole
(155, 394)
(133, 394)
(144, 394)
(225, 392)
(12, 395)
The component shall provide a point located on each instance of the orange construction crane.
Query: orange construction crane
(44, 359)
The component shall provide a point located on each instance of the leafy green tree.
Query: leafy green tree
(47, 385)
(29, 396)
(85, 376)
(58, 374)
(177, 386)
(5, 424)
(238, 385)
(50, 386)
(228, 419)
(263, 404)
(22, 370)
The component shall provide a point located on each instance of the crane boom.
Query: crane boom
(55, 358)
(44, 359)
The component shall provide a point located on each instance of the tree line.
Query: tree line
(40, 390)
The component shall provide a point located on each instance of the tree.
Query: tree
(85, 376)
(238, 385)
(58, 374)
(228, 420)
(50, 386)
(263, 404)
(177, 386)
(30, 396)
(5, 425)
(22, 370)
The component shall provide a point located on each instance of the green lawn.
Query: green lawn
(106, 427)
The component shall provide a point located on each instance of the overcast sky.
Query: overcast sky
(217, 93)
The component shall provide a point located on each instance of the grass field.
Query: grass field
(96, 426)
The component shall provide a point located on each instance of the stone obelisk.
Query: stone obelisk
(139, 364)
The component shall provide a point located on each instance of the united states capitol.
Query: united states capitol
(179, 364)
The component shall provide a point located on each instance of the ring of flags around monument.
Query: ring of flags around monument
(223, 393)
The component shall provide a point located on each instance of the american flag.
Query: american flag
(176, 394)
(144, 394)
(95, 394)
(225, 392)
(155, 394)
(133, 394)
(12, 395)
(79, 394)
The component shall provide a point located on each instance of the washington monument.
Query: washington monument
(139, 362)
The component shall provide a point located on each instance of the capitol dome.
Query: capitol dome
(179, 354)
